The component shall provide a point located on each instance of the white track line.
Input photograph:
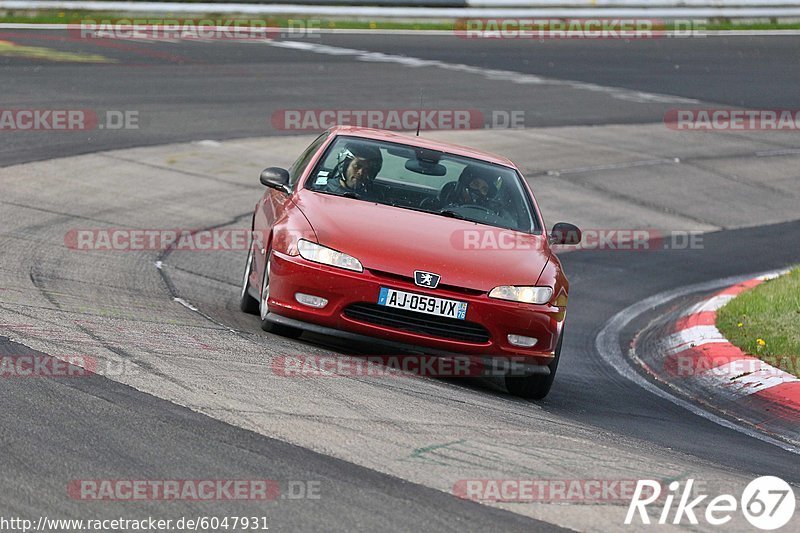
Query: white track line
(491, 74)
(607, 343)
(619, 93)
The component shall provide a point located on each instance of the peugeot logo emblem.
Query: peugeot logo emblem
(426, 279)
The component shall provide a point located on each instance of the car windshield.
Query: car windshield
(410, 177)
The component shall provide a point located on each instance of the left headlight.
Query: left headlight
(528, 295)
(327, 256)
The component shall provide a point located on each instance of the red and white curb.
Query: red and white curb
(698, 355)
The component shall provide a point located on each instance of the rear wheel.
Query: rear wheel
(247, 303)
(266, 325)
(537, 386)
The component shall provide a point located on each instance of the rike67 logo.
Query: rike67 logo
(767, 502)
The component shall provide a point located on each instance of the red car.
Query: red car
(377, 235)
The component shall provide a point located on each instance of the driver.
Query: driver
(475, 187)
(355, 172)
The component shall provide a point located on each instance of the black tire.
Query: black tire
(537, 386)
(247, 303)
(266, 325)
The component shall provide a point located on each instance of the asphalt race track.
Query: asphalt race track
(193, 90)
(198, 398)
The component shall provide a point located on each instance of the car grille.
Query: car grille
(437, 326)
(442, 286)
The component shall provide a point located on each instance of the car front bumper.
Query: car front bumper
(292, 274)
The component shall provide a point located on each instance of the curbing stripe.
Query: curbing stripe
(712, 304)
(692, 337)
(697, 351)
(737, 383)
(787, 395)
(699, 318)
(696, 360)
(781, 432)
(739, 288)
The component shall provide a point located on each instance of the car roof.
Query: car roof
(390, 136)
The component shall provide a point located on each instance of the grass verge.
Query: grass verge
(765, 321)
(44, 16)
(75, 17)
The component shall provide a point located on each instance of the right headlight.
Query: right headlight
(528, 295)
(327, 256)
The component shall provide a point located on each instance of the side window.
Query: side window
(299, 166)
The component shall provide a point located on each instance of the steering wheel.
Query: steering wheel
(479, 206)
(429, 204)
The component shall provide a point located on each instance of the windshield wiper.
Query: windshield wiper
(410, 207)
(450, 214)
(444, 212)
(350, 194)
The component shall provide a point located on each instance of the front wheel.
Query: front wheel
(247, 303)
(266, 325)
(537, 386)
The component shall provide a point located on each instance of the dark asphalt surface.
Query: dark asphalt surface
(741, 71)
(188, 91)
(54, 430)
(609, 281)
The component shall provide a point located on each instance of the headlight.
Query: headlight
(528, 295)
(322, 254)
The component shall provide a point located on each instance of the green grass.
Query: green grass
(765, 321)
(74, 16)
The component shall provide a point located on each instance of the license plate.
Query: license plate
(430, 305)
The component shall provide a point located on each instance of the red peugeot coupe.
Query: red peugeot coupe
(423, 244)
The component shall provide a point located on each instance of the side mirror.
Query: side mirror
(565, 233)
(276, 178)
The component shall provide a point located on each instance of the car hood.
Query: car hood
(399, 241)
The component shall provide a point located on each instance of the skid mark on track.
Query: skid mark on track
(124, 354)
